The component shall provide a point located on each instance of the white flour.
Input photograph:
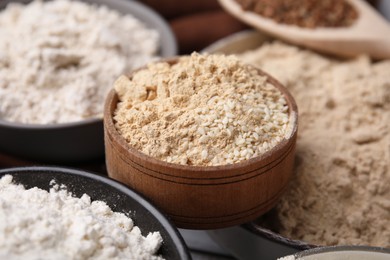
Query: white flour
(36, 224)
(58, 59)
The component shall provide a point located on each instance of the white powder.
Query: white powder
(58, 59)
(36, 224)
(289, 257)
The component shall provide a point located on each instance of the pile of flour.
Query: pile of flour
(58, 59)
(340, 193)
(36, 224)
(203, 110)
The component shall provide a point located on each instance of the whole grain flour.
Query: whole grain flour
(340, 193)
(59, 58)
(202, 110)
(36, 224)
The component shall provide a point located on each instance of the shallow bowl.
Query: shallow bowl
(83, 140)
(204, 197)
(117, 196)
(255, 241)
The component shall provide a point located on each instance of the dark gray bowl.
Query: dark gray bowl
(251, 241)
(80, 141)
(119, 197)
(56, 143)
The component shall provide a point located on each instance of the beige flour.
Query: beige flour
(204, 110)
(59, 58)
(340, 193)
(40, 225)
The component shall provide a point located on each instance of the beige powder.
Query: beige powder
(340, 193)
(204, 110)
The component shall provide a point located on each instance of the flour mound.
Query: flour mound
(36, 224)
(340, 193)
(203, 110)
(58, 59)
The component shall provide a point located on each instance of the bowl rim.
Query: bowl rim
(342, 248)
(276, 237)
(164, 221)
(111, 103)
(138, 7)
(11, 124)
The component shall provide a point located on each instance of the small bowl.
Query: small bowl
(203, 197)
(117, 196)
(80, 141)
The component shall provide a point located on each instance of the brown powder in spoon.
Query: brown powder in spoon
(304, 13)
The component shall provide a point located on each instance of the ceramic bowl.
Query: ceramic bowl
(204, 197)
(117, 196)
(79, 141)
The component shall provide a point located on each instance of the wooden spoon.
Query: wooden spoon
(370, 33)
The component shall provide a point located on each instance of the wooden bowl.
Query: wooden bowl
(204, 197)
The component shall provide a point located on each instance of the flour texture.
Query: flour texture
(36, 224)
(203, 110)
(340, 192)
(58, 59)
